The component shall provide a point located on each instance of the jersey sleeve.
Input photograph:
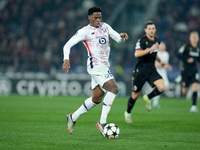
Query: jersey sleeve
(182, 49)
(139, 45)
(79, 36)
(115, 35)
(182, 53)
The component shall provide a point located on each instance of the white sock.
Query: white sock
(107, 103)
(156, 100)
(87, 105)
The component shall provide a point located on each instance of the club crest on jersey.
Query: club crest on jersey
(104, 30)
(102, 41)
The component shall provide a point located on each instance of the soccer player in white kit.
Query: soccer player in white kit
(164, 56)
(95, 37)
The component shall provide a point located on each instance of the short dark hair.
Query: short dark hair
(149, 23)
(94, 9)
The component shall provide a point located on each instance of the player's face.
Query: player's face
(150, 30)
(194, 38)
(95, 19)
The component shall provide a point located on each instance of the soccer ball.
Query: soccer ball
(111, 131)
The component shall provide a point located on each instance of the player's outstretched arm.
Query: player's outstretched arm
(163, 65)
(124, 35)
(66, 65)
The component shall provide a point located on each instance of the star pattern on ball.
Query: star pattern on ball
(114, 133)
(108, 127)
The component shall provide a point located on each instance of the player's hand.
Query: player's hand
(66, 65)
(190, 60)
(163, 65)
(124, 35)
(169, 67)
(154, 46)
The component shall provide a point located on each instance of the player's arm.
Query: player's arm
(139, 52)
(164, 65)
(182, 54)
(119, 38)
(79, 36)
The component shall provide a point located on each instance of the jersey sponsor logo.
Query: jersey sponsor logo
(197, 76)
(102, 41)
(194, 54)
(156, 50)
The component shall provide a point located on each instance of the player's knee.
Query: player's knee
(135, 95)
(184, 91)
(97, 100)
(161, 88)
(114, 89)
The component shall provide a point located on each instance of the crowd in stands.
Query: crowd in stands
(33, 32)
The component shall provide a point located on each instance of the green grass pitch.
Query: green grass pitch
(34, 122)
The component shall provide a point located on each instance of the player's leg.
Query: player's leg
(112, 90)
(159, 89)
(156, 99)
(138, 81)
(154, 79)
(111, 87)
(185, 83)
(107, 83)
(131, 103)
(156, 102)
(159, 83)
(194, 97)
(184, 90)
(88, 104)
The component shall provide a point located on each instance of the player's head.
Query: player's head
(162, 47)
(150, 29)
(194, 37)
(95, 15)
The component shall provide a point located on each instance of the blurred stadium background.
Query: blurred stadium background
(33, 33)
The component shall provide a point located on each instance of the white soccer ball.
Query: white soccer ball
(111, 131)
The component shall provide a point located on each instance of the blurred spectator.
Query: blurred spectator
(33, 33)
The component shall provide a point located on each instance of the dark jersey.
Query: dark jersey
(146, 61)
(185, 52)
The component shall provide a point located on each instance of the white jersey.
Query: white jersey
(164, 56)
(96, 41)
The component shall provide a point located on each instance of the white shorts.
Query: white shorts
(100, 75)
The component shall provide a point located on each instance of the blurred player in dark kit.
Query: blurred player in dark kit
(146, 51)
(189, 56)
